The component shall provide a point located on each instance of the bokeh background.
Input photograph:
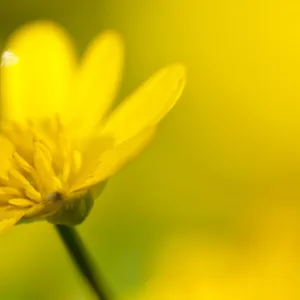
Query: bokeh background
(211, 209)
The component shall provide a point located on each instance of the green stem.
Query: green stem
(81, 258)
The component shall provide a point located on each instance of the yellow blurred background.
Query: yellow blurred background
(211, 209)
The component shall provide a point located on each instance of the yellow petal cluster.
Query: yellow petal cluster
(59, 137)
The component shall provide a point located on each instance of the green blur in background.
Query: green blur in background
(227, 153)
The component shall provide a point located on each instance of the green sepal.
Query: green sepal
(74, 213)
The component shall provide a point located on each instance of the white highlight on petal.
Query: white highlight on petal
(8, 58)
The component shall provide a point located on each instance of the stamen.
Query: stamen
(17, 179)
(7, 192)
(33, 194)
(3, 181)
(43, 165)
(46, 163)
(40, 146)
(42, 210)
(22, 163)
(20, 202)
(35, 210)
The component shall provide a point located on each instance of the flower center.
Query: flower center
(43, 165)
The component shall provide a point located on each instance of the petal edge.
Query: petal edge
(147, 105)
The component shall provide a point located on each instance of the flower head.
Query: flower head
(59, 138)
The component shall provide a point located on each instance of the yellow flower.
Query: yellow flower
(58, 137)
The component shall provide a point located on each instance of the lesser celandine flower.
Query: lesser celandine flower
(59, 138)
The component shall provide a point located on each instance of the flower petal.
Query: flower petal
(113, 159)
(99, 78)
(147, 105)
(36, 72)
